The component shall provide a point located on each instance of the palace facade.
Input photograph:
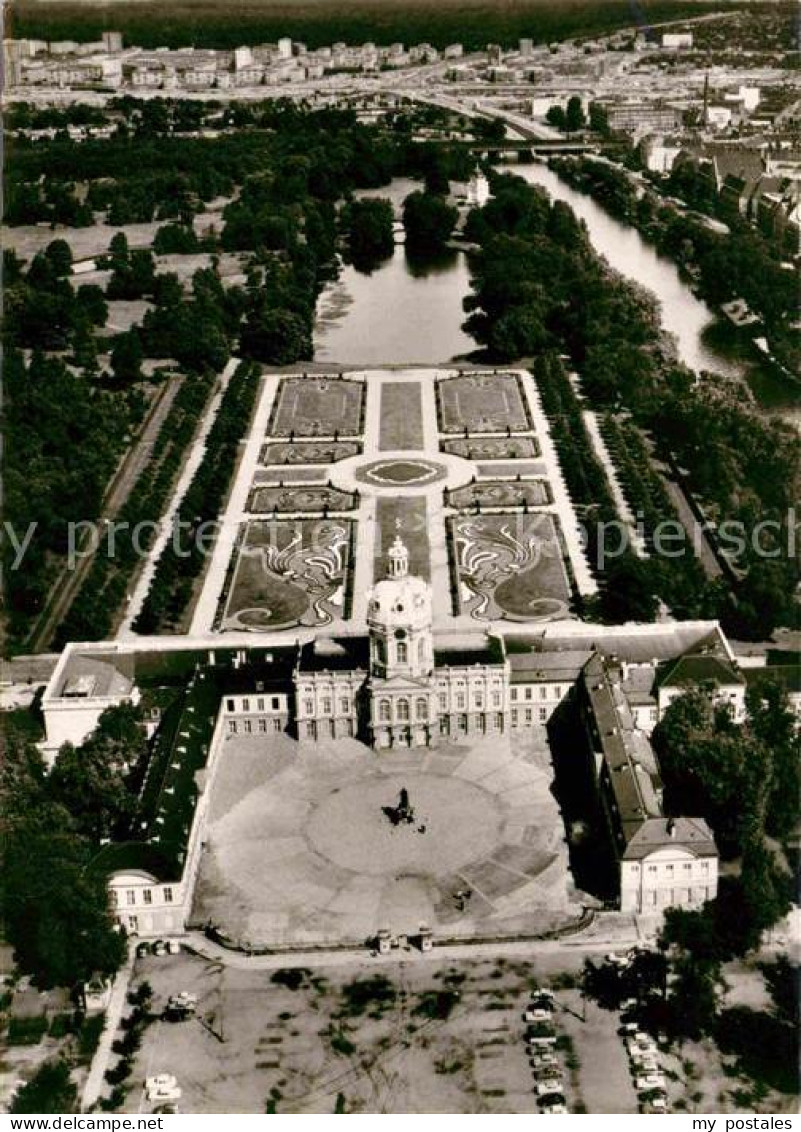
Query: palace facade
(401, 685)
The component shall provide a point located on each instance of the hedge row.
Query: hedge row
(180, 565)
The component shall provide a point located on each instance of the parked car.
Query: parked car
(537, 1015)
(173, 946)
(649, 1081)
(617, 959)
(142, 949)
(654, 1105)
(542, 1057)
(645, 1065)
(552, 1109)
(159, 947)
(547, 1072)
(165, 1095)
(546, 1088)
(638, 1046)
(183, 998)
(161, 1081)
(538, 1043)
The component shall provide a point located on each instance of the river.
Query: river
(405, 312)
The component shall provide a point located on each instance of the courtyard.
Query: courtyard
(300, 849)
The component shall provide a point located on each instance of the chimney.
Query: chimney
(671, 827)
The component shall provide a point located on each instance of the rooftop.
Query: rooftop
(691, 833)
(98, 675)
(329, 654)
(562, 664)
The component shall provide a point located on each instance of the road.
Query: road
(67, 585)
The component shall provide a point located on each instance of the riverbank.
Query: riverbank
(698, 256)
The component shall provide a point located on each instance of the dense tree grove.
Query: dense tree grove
(741, 264)
(285, 170)
(54, 907)
(536, 284)
(204, 25)
(51, 1089)
(63, 438)
(428, 220)
(626, 582)
(745, 779)
(183, 557)
(368, 228)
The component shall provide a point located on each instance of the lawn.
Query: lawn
(311, 452)
(509, 566)
(405, 516)
(389, 471)
(401, 416)
(482, 403)
(318, 406)
(290, 499)
(493, 448)
(289, 573)
(501, 493)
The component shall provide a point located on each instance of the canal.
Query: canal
(409, 312)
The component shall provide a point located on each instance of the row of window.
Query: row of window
(665, 897)
(402, 709)
(686, 867)
(147, 896)
(326, 728)
(245, 726)
(527, 691)
(526, 715)
(261, 704)
(326, 707)
(478, 701)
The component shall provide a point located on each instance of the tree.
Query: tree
(369, 227)
(428, 220)
(92, 303)
(93, 781)
(51, 1089)
(55, 909)
(574, 114)
(118, 251)
(599, 119)
(556, 117)
(278, 336)
(175, 239)
(59, 253)
(126, 357)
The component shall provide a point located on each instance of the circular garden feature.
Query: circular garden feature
(401, 472)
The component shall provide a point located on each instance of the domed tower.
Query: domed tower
(399, 618)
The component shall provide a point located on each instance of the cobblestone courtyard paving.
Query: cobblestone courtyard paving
(300, 851)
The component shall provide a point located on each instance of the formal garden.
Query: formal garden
(290, 573)
(509, 566)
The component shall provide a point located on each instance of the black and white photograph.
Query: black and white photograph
(400, 511)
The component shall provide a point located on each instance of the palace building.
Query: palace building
(400, 685)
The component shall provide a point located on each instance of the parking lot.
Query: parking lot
(405, 1034)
